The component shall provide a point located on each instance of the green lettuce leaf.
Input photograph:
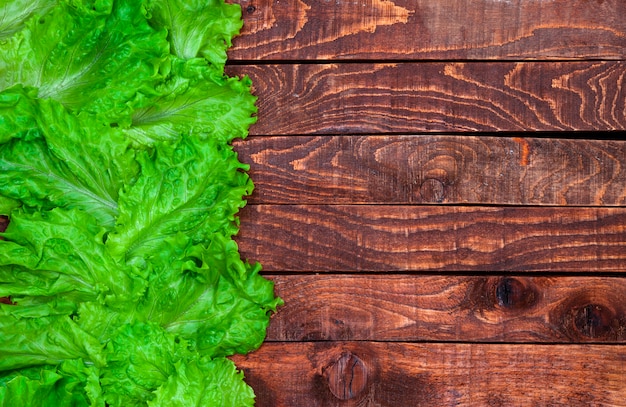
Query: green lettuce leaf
(92, 57)
(193, 186)
(18, 108)
(120, 282)
(41, 335)
(60, 251)
(41, 386)
(7, 205)
(204, 382)
(194, 99)
(198, 28)
(13, 14)
(223, 304)
(140, 358)
(52, 158)
(71, 383)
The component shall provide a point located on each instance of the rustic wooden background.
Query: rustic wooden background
(440, 200)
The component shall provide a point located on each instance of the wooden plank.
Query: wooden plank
(436, 169)
(455, 97)
(424, 29)
(320, 238)
(332, 307)
(404, 374)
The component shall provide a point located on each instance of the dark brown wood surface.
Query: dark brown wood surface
(436, 169)
(440, 201)
(388, 238)
(367, 98)
(427, 29)
(392, 374)
(408, 307)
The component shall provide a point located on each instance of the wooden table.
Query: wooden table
(444, 228)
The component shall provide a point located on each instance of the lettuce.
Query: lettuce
(198, 28)
(120, 279)
(14, 13)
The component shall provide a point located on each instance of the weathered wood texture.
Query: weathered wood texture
(449, 308)
(436, 169)
(365, 199)
(409, 97)
(426, 29)
(401, 374)
(322, 238)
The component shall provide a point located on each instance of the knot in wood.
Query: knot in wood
(511, 293)
(347, 376)
(432, 190)
(594, 320)
(250, 9)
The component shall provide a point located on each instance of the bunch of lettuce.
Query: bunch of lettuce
(121, 282)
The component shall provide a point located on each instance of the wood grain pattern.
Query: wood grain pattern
(364, 200)
(424, 29)
(436, 169)
(390, 374)
(410, 98)
(378, 238)
(335, 307)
